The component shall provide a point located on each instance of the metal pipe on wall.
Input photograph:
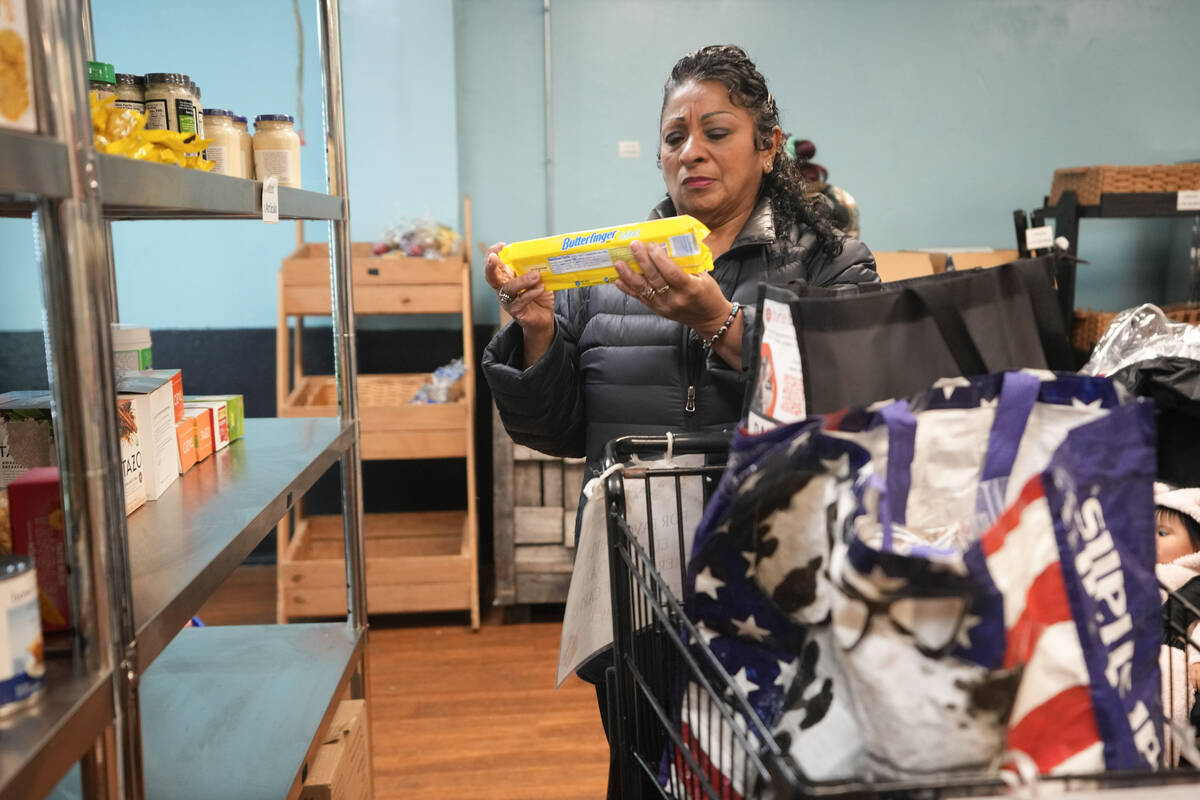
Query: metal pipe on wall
(344, 341)
(77, 286)
(549, 89)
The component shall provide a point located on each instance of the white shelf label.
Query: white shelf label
(1187, 201)
(1039, 238)
(270, 200)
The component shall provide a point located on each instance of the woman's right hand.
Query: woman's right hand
(526, 299)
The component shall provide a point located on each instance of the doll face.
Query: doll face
(1171, 536)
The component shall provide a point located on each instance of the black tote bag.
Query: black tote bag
(859, 345)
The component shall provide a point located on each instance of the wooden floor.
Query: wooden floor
(457, 714)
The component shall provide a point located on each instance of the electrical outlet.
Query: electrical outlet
(629, 149)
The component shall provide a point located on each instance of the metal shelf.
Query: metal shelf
(132, 189)
(39, 745)
(1131, 205)
(238, 711)
(31, 165)
(185, 544)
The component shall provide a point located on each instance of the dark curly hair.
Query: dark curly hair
(729, 65)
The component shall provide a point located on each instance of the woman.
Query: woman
(663, 350)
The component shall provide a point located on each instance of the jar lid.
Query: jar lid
(173, 78)
(195, 89)
(14, 565)
(125, 79)
(218, 112)
(101, 72)
(240, 118)
(273, 118)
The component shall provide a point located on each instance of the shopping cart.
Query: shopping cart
(681, 727)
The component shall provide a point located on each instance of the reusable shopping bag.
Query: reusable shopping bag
(818, 351)
(944, 639)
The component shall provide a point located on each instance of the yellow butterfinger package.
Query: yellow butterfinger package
(586, 258)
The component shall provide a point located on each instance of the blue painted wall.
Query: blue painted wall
(940, 116)
(398, 61)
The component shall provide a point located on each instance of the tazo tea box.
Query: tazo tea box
(202, 419)
(131, 456)
(155, 410)
(176, 378)
(220, 420)
(26, 434)
(185, 435)
(39, 531)
(235, 411)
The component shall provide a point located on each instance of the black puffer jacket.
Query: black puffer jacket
(616, 368)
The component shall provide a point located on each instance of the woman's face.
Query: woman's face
(1172, 538)
(709, 161)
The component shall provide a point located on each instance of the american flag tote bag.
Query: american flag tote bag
(768, 631)
(981, 630)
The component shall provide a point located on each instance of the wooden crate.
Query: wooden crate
(536, 497)
(391, 428)
(417, 561)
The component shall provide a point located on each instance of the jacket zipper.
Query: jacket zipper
(693, 367)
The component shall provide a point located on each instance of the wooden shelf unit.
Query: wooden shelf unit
(415, 561)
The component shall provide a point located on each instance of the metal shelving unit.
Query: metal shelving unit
(148, 710)
(1068, 212)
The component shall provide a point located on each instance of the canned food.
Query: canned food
(22, 669)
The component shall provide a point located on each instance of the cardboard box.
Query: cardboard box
(202, 419)
(185, 435)
(176, 378)
(131, 348)
(341, 769)
(235, 411)
(902, 265)
(155, 410)
(26, 434)
(27, 442)
(132, 462)
(959, 258)
(220, 420)
(39, 531)
(18, 101)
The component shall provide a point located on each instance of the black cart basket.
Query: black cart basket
(681, 726)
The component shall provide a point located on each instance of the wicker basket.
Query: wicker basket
(1089, 183)
(1091, 325)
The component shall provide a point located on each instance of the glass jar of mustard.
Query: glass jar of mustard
(102, 79)
(131, 92)
(277, 149)
(169, 104)
(226, 148)
(247, 146)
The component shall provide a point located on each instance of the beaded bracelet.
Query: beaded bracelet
(733, 312)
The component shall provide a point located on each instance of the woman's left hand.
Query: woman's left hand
(694, 300)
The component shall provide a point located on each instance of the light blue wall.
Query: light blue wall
(940, 116)
(398, 61)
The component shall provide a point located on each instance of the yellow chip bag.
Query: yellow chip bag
(586, 258)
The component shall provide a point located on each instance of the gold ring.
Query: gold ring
(662, 290)
(648, 292)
